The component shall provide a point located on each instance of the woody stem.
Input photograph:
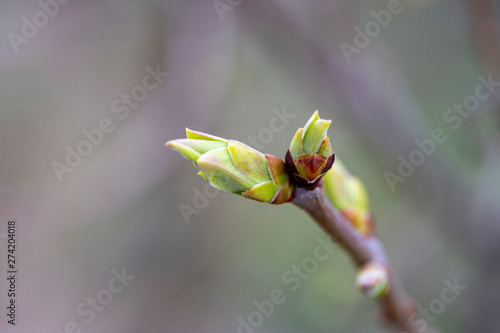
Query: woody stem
(396, 306)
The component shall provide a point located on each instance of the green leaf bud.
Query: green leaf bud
(310, 154)
(232, 166)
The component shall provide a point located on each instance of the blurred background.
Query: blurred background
(91, 90)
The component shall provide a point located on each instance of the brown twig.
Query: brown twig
(485, 29)
(396, 306)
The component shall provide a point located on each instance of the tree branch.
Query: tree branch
(396, 306)
(485, 27)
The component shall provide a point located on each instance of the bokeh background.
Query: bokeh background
(119, 208)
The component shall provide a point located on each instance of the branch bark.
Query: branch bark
(396, 306)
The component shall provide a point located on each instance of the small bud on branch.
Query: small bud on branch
(310, 154)
(373, 280)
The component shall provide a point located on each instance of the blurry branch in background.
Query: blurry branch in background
(235, 167)
(368, 96)
(485, 30)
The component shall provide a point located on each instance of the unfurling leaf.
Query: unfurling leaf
(232, 166)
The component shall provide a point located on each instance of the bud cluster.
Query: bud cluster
(232, 166)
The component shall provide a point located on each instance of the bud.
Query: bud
(348, 194)
(373, 280)
(310, 155)
(232, 166)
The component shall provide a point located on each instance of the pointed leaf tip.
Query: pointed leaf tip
(190, 134)
(184, 149)
(297, 145)
(313, 118)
